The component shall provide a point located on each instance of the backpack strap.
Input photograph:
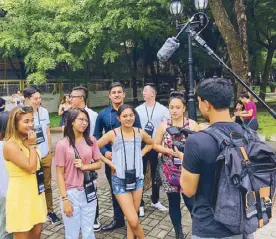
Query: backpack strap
(219, 135)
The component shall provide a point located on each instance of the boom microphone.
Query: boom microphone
(172, 44)
(169, 47)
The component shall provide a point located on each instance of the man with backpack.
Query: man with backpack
(230, 200)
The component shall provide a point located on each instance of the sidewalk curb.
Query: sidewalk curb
(55, 130)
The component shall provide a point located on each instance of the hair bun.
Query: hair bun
(177, 94)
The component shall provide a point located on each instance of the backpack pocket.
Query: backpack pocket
(229, 210)
(258, 202)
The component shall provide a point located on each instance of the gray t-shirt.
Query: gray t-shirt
(158, 112)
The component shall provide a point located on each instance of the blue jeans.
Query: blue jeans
(251, 236)
(3, 233)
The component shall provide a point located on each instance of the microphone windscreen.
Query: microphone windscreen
(169, 47)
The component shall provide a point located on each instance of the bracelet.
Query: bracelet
(32, 144)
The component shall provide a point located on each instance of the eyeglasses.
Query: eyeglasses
(75, 96)
(83, 120)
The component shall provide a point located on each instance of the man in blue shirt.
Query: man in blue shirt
(106, 121)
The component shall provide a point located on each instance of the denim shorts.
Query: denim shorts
(119, 185)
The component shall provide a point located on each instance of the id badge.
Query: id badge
(39, 134)
(90, 191)
(149, 128)
(130, 179)
(176, 161)
(40, 181)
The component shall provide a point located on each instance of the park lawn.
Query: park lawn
(267, 124)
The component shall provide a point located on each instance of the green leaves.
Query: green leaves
(73, 35)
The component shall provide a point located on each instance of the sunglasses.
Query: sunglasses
(25, 109)
(75, 96)
(150, 84)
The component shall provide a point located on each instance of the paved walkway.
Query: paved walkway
(155, 223)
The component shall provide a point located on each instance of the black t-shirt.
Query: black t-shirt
(201, 152)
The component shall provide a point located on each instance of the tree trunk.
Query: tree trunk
(242, 20)
(17, 72)
(267, 68)
(231, 39)
(134, 74)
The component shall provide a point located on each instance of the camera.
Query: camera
(90, 176)
(176, 131)
(180, 145)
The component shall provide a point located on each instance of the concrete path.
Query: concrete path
(155, 223)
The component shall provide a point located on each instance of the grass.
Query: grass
(267, 124)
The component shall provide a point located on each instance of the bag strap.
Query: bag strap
(222, 140)
(219, 135)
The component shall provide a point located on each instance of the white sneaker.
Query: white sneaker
(159, 206)
(97, 225)
(141, 212)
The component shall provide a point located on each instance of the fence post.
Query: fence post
(22, 85)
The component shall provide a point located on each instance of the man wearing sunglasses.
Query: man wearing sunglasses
(78, 99)
(151, 114)
(41, 127)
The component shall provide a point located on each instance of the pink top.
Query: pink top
(251, 106)
(65, 156)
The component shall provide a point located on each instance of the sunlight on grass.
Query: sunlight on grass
(267, 124)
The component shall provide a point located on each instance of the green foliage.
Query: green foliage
(261, 32)
(70, 35)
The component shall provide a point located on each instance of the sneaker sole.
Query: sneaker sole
(97, 230)
(165, 210)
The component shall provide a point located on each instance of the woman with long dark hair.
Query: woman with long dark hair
(77, 157)
(170, 165)
(127, 178)
(25, 205)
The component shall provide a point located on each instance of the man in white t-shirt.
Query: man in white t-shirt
(151, 114)
(78, 99)
(44, 143)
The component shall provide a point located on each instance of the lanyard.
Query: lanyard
(77, 156)
(125, 147)
(149, 119)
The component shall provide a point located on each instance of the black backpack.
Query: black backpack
(245, 179)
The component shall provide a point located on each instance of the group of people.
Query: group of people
(125, 140)
(246, 112)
